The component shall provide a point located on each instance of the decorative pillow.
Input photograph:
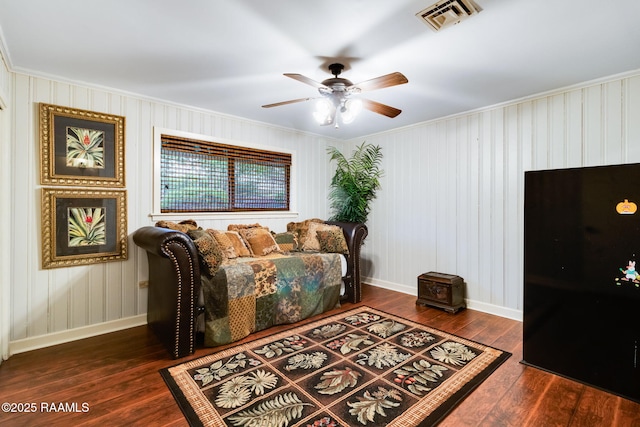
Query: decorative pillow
(286, 241)
(184, 226)
(260, 241)
(238, 244)
(332, 241)
(228, 251)
(311, 243)
(301, 229)
(208, 249)
(238, 227)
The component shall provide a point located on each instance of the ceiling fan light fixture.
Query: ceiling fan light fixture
(350, 110)
(324, 112)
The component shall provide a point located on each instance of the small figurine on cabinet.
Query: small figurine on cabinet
(631, 275)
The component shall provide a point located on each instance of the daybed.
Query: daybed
(188, 295)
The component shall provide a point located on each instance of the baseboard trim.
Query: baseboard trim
(411, 290)
(496, 310)
(55, 338)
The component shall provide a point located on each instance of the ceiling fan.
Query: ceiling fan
(336, 96)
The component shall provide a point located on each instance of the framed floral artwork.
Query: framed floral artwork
(83, 226)
(81, 148)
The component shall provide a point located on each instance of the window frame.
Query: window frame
(157, 215)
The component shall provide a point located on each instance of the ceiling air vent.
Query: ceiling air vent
(446, 13)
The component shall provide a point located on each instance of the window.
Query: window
(205, 176)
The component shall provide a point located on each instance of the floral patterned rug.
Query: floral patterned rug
(362, 367)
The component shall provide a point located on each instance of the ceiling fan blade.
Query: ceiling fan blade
(293, 101)
(305, 79)
(379, 108)
(387, 80)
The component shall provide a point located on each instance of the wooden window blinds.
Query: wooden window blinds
(202, 176)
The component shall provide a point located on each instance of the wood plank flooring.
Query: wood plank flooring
(115, 376)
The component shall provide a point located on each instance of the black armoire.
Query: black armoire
(581, 291)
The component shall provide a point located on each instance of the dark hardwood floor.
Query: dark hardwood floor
(113, 379)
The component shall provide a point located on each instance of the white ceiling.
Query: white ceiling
(229, 55)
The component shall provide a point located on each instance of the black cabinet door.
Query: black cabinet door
(581, 309)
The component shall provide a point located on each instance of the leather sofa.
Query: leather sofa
(175, 282)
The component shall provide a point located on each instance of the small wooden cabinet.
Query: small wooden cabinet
(441, 290)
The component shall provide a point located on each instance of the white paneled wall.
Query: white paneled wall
(6, 164)
(453, 193)
(54, 305)
(451, 199)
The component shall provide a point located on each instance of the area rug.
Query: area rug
(362, 367)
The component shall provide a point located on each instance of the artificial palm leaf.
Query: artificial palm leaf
(355, 182)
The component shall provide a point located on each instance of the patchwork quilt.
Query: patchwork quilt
(251, 294)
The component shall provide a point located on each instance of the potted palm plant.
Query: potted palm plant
(355, 182)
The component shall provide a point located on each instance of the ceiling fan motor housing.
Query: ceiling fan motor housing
(335, 84)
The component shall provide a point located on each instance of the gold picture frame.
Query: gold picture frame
(83, 226)
(81, 148)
